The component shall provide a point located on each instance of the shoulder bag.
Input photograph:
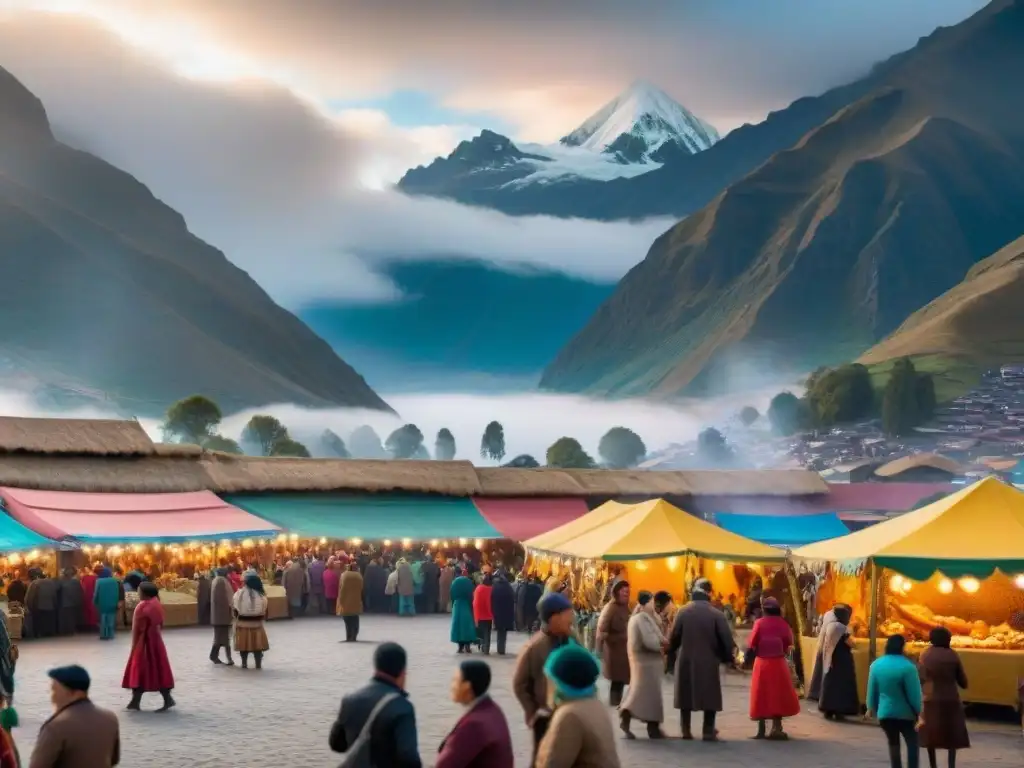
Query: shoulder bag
(358, 754)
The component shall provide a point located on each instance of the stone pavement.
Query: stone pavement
(281, 715)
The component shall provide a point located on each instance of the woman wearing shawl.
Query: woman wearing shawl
(90, 616)
(646, 641)
(772, 695)
(814, 689)
(943, 725)
(148, 669)
(463, 632)
(839, 696)
(250, 608)
(578, 736)
(106, 598)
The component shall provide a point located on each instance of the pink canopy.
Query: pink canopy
(136, 517)
(522, 519)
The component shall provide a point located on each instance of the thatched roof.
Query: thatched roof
(95, 474)
(919, 460)
(83, 437)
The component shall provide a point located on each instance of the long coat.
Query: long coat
(701, 642)
(463, 627)
(406, 583)
(503, 605)
(646, 667)
(481, 739)
(203, 598)
(375, 580)
(579, 736)
(106, 596)
(612, 640)
(71, 599)
(445, 588)
(295, 581)
(80, 735)
(943, 723)
(430, 572)
(148, 667)
(221, 602)
(350, 594)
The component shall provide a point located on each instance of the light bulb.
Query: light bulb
(895, 583)
(246, 543)
(294, 537)
(673, 563)
(387, 542)
(969, 584)
(946, 586)
(463, 542)
(719, 565)
(479, 543)
(356, 542)
(323, 540)
(1019, 581)
(433, 542)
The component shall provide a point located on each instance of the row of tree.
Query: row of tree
(197, 420)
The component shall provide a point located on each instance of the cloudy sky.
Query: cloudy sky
(273, 126)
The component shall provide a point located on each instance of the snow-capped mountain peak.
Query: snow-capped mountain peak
(640, 122)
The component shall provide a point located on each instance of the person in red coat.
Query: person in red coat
(480, 739)
(772, 695)
(483, 614)
(90, 616)
(148, 669)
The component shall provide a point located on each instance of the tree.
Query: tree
(787, 414)
(567, 453)
(193, 419)
(712, 448)
(492, 444)
(909, 398)
(289, 447)
(925, 396)
(404, 442)
(364, 443)
(621, 447)
(748, 415)
(444, 445)
(839, 395)
(333, 445)
(223, 444)
(523, 461)
(266, 432)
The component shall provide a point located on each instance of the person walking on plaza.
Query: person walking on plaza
(463, 632)
(78, 734)
(503, 608)
(221, 608)
(332, 580)
(317, 595)
(350, 601)
(894, 696)
(148, 669)
(106, 598)
(376, 726)
(838, 697)
(943, 725)
(701, 642)
(71, 596)
(772, 695)
(406, 588)
(578, 736)
(249, 605)
(444, 587)
(483, 616)
(645, 646)
(529, 682)
(295, 581)
(431, 582)
(612, 641)
(481, 738)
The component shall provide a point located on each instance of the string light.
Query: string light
(719, 565)
(1019, 581)
(294, 537)
(194, 545)
(387, 542)
(356, 542)
(444, 544)
(323, 540)
(673, 563)
(969, 584)
(478, 544)
(136, 549)
(282, 538)
(946, 586)
(433, 542)
(246, 543)
(157, 547)
(407, 543)
(463, 542)
(225, 542)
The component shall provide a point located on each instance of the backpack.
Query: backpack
(358, 753)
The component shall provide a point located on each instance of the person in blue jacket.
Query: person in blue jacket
(894, 696)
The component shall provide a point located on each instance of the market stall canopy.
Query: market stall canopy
(970, 533)
(15, 537)
(521, 519)
(131, 517)
(651, 529)
(373, 516)
(784, 531)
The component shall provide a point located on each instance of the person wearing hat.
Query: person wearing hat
(578, 736)
(78, 734)
(772, 695)
(645, 644)
(529, 682)
(481, 738)
(700, 642)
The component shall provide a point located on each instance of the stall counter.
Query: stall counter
(992, 675)
(14, 621)
(277, 602)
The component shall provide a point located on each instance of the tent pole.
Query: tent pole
(873, 617)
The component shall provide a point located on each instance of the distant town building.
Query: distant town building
(1012, 374)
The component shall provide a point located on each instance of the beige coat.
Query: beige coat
(295, 581)
(444, 596)
(646, 668)
(406, 585)
(579, 736)
(350, 594)
(611, 639)
(221, 602)
(79, 736)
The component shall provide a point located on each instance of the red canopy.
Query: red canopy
(131, 516)
(522, 519)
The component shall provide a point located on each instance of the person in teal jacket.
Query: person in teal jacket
(463, 632)
(106, 599)
(894, 696)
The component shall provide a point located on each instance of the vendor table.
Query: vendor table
(14, 621)
(992, 675)
(277, 602)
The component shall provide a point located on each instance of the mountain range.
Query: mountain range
(905, 180)
(107, 295)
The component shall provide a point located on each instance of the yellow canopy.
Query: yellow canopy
(647, 530)
(969, 533)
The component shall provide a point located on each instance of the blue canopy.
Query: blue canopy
(15, 537)
(784, 530)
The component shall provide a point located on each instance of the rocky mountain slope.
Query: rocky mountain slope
(106, 290)
(828, 246)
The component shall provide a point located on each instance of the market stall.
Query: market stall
(21, 547)
(784, 530)
(957, 563)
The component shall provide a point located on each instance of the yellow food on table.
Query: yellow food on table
(915, 622)
(175, 598)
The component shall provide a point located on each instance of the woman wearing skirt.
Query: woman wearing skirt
(250, 605)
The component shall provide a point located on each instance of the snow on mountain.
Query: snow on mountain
(647, 113)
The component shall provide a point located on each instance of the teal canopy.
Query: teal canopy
(784, 530)
(369, 516)
(15, 537)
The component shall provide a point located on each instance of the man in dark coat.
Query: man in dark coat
(42, 601)
(374, 581)
(393, 742)
(431, 573)
(72, 598)
(503, 606)
(529, 595)
(203, 598)
(221, 605)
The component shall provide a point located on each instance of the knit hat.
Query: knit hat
(552, 604)
(72, 677)
(574, 671)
